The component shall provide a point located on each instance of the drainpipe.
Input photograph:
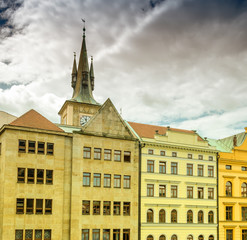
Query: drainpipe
(217, 189)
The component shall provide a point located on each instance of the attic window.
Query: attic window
(22, 145)
(210, 158)
(162, 153)
(189, 155)
(174, 154)
(50, 149)
(200, 157)
(244, 168)
(126, 156)
(229, 167)
(150, 151)
(41, 147)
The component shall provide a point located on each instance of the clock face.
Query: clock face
(84, 119)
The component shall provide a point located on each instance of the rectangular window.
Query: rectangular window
(200, 192)
(126, 181)
(228, 213)
(244, 234)
(47, 234)
(106, 234)
(96, 207)
(200, 157)
(29, 206)
(41, 147)
(162, 153)
(189, 155)
(210, 193)
(107, 208)
(210, 171)
(150, 151)
(96, 179)
(21, 175)
(210, 158)
(150, 166)
(86, 179)
(96, 234)
(31, 146)
(126, 208)
(174, 191)
(18, 234)
(20, 205)
(30, 175)
(229, 234)
(126, 234)
(174, 168)
(107, 155)
(116, 234)
(49, 176)
(174, 154)
(117, 155)
(38, 234)
(39, 206)
(40, 176)
(117, 181)
(189, 192)
(189, 169)
(116, 208)
(107, 180)
(49, 148)
(229, 167)
(85, 234)
(244, 168)
(162, 167)
(85, 207)
(97, 153)
(87, 152)
(22, 146)
(150, 190)
(127, 156)
(244, 213)
(200, 171)
(48, 206)
(28, 234)
(162, 190)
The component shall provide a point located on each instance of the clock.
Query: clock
(84, 119)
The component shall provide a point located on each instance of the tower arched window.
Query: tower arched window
(162, 216)
(190, 237)
(150, 237)
(174, 237)
(150, 216)
(200, 237)
(200, 216)
(211, 217)
(174, 216)
(189, 216)
(228, 189)
(162, 237)
(244, 189)
(211, 237)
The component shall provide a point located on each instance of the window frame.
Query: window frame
(87, 152)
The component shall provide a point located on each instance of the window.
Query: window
(96, 207)
(116, 234)
(244, 168)
(48, 206)
(126, 156)
(174, 216)
(85, 207)
(210, 193)
(190, 237)
(117, 181)
(22, 146)
(31, 146)
(29, 206)
(86, 179)
(107, 180)
(162, 190)
(47, 234)
(41, 147)
(106, 208)
(150, 237)
(228, 189)
(107, 155)
(38, 234)
(49, 148)
(189, 155)
(211, 217)
(40, 176)
(96, 179)
(229, 167)
(126, 208)
(30, 175)
(244, 213)
(85, 234)
(21, 175)
(189, 192)
(49, 176)
(162, 167)
(210, 158)
(200, 192)
(18, 234)
(97, 153)
(86, 152)
(174, 191)
(174, 154)
(20, 205)
(117, 155)
(200, 216)
(162, 237)
(126, 234)
(126, 181)
(162, 153)
(244, 189)
(174, 237)
(96, 234)
(200, 170)
(200, 237)
(116, 208)
(189, 216)
(162, 216)
(39, 206)
(150, 166)
(174, 168)
(150, 151)
(200, 157)
(28, 234)
(244, 234)
(106, 234)
(211, 237)
(229, 234)
(189, 169)
(150, 216)
(228, 213)
(150, 190)
(210, 171)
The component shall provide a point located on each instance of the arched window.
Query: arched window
(244, 189)
(162, 237)
(174, 237)
(150, 237)
(200, 216)
(200, 237)
(211, 217)
(150, 216)
(211, 237)
(228, 189)
(190, 217)
(174, 216)
(190, 237)
(162, 216)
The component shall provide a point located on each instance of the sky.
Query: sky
(177, 63)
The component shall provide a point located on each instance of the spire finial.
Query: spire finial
(74, 55)
(84, 27)
(91, 58)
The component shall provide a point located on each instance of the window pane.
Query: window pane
(21, 175)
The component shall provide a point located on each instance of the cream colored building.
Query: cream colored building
(178, 184)
(6, 118)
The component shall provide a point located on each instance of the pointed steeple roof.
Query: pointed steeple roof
(74, 69)
(74, 73)
(92, 74)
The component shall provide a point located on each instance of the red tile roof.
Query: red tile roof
(33, 119)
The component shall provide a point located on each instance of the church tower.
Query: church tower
(82, 106)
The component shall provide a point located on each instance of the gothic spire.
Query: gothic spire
(92, 74)
(74, 73)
